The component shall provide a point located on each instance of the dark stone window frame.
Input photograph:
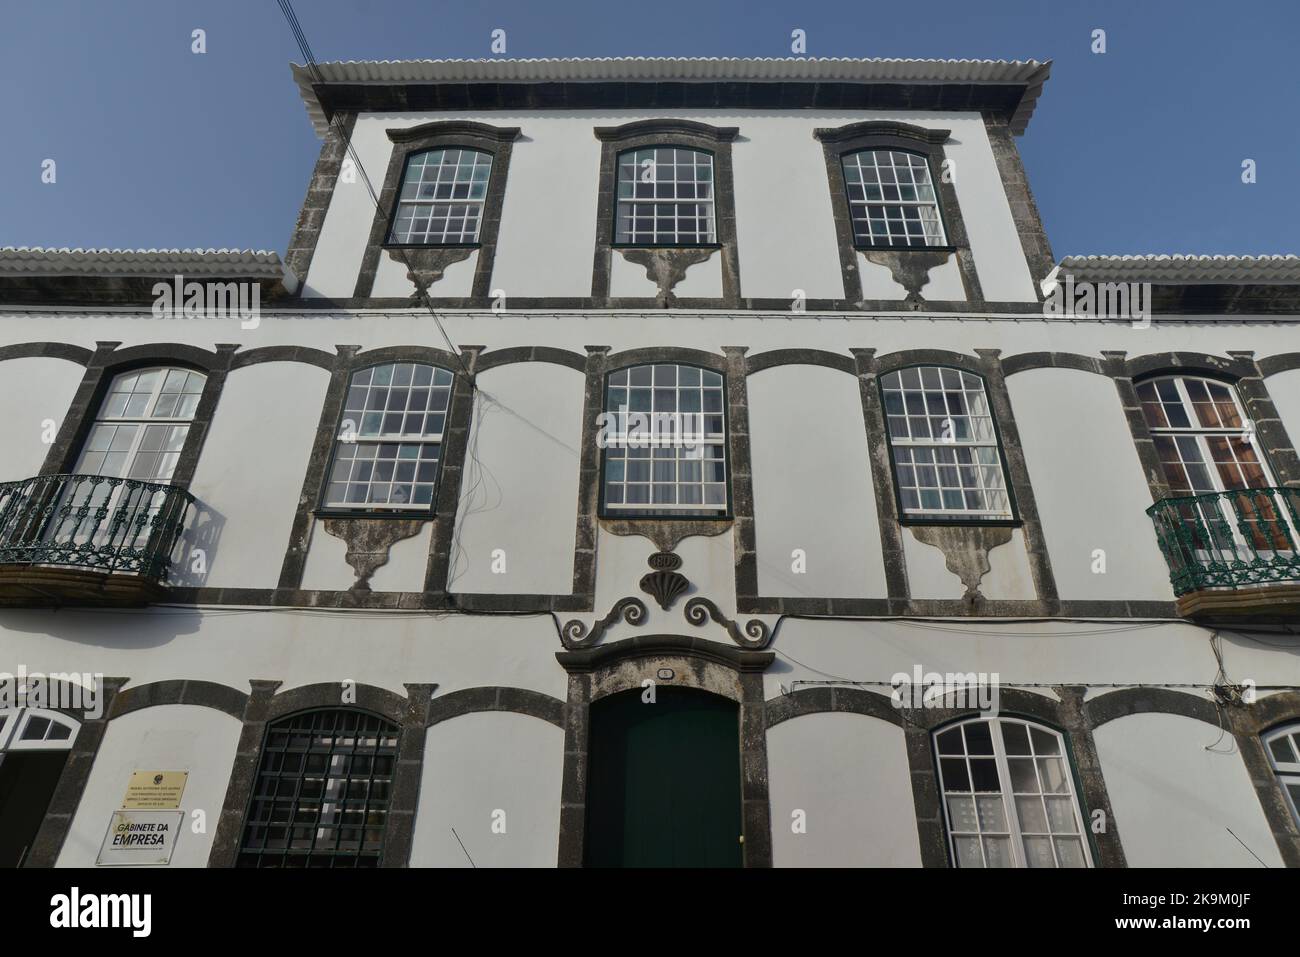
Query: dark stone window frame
(1015, 520)
(387, 725)
(451, 460)
(324, 510)
(666, 263)
(912, 263)
(651, 515)
(430, 260)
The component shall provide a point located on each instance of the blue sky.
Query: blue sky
(1135, 150)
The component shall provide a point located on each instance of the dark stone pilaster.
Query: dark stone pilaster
(72, 782)
(882, 478)
(324, 178)
(405, 800)
(243, 774)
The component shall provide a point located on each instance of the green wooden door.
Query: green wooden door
(663, 782)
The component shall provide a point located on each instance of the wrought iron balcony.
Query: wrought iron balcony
(1233, 555)
(87, 539)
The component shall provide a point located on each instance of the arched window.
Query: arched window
(36, 729)
(665, 197)
(34, 746)
(1008, 795)
(1283, 746)
(947, 458)
(390, 438)
(665, 442)
(892, 199)
(1201, 436)
(142, 425)
(324, 782)
(441, 199)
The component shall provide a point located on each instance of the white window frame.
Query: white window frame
(933, 237)
(631, 203)
(141, 422)
(1006, 794)
(1200, 434)
(1213, 512)
(1287, 772)
(16, 720)
(994, 442)
(355, 438)
(480, 202)
(619, 437)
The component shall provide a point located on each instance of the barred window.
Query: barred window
(390, 438)
(664, 438)
(1009, 796)
(892, 200)
(441, 202)
(1283, 746)
(665, 197)
(322, 792)
(947, 461)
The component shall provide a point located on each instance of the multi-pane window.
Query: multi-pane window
(665, 441)
(1206, 445)
(441, 201)
(1283, 746)
(35, 729)
(665, 197)
(390, 438)
(1009, 796)
(1200, 435)
(892, 200)
(142, 425)
(322, 792)
(945, 448)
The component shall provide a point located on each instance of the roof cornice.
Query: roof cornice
(1007, 87)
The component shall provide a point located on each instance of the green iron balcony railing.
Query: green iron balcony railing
(1243, 538)
(95, 523)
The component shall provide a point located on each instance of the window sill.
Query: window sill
(665, 245)
(963, 522)
(432, 246)
(905, 249)
(421, 514)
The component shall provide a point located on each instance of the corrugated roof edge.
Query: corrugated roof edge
(65, 261)
(1178, 268)
(1032, 73)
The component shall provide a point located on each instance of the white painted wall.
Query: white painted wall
(495, 778)
(519, 486)
(1178, 786)
(32, 391)
(1088, 485)
(252, 468)
(784, 221)
(808, 449)
(170, 737)
(849, 776)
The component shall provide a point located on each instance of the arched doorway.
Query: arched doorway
(34, 745)
(664, 780)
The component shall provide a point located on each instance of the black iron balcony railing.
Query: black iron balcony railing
(95, 523)
(1237, 539)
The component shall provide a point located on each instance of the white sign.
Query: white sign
(140, 837)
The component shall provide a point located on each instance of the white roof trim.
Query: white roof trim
(1032, 73)
(1179, 269)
